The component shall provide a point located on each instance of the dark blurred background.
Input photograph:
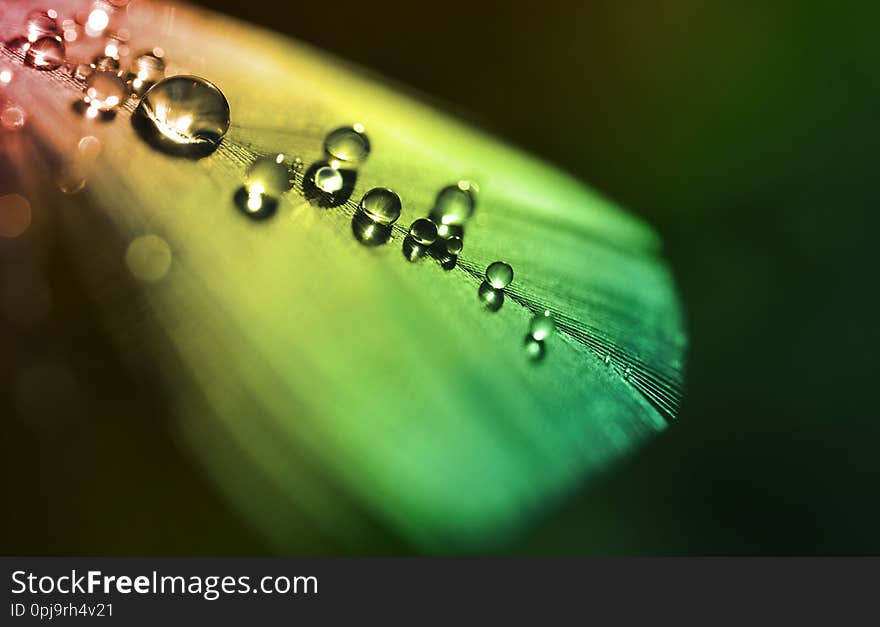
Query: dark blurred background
(745, 132)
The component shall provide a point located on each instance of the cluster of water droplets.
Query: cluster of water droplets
(188, 116)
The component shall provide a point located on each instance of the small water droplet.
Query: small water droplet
(46, 53)
(183, 115)
(423, 231)
(368, 231)
(348, 146)
(39, 23)
(454, 245)
(381, 205)
(326, 186)
(542, 325)
(265, 181)
(534, 348)
(104, 91)
(82, 71)
(454, 204)
(491, 298)
(328, 179)
(148, 258)
(103, 63)
(146, 70)
(499, 274)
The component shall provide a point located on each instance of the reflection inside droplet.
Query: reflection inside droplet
(46, 53)
(326, 186)
(423, 231)
(369, 232)
(491, 298)
(542, 325)
(413, 250)
(455, 204)
(146, 70)
(183, 115)
(534, 348)
(382, 205)
(499, 274)
(349, 146)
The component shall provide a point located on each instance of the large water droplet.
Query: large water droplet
(183, 115)
(423, 231)
(542, 325)
(534, 348)
(46, 53)
(381, 205)
(146, 70)
(499, 274)
(491, 298)
(348, 145)
(454, 204)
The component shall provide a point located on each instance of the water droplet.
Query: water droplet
(146, 70)
(499, 274)
(103, 63)
(381, 205)
(46, 53)
(328, 179)
(40, 24)
(82, 71)
(454, 204)
(183, 115)
(454, 245)
(326, 186)
(542, 325)
(265, 181)
(368, 231)
(104, 91)
(12, 118)
(423, 232)
(491, 298)
(15, 215)
(148, 258)
(534, 348)
(349, 146)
